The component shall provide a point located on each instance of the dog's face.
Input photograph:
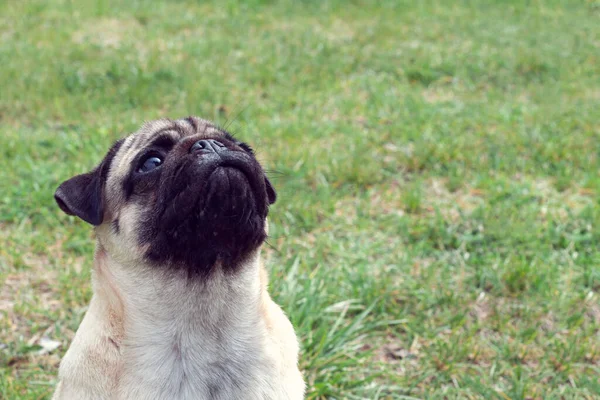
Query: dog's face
(182, 194)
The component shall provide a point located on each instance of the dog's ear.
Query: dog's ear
(83, 195)
(271, 195)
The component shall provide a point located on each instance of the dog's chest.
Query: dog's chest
(175, 370)
(194, 351)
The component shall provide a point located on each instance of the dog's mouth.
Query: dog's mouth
(227, 194)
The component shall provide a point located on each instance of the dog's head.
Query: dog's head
(182, 194)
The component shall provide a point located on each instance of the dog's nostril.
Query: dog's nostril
(199, 145)
(208, 146)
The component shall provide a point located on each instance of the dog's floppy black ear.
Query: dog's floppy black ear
(82, 195)
(271, 195)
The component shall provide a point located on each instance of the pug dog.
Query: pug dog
(180, 308)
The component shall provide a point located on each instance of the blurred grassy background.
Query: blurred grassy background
(436, 233)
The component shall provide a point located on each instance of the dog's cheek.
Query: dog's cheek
(120, 236)
(271, 194)
(129, 217)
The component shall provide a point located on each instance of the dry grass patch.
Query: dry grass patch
(107, 32)
(27, 297)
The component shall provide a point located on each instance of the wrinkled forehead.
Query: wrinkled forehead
(176, 129)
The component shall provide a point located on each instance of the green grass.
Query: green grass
(437, 165)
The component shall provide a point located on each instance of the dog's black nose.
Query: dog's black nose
(208, 146)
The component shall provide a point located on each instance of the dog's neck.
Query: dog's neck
(167, 324)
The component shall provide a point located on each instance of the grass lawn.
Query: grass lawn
(437, 164)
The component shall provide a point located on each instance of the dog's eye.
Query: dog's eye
(150, 163)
